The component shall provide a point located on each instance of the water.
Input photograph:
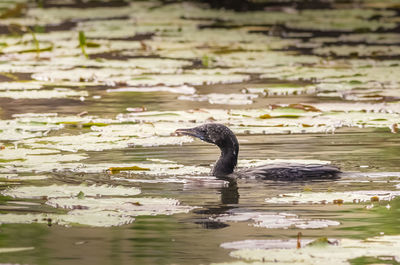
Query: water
(343, 90)
(193, 238)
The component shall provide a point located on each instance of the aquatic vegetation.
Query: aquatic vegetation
(57, 191)
(37, 94)
(152, 169)
(281, 90)
(265, 244)
(342, 253)
(8, 250)
(104, 213)
(226, 99)
(358, 50)
(34, 140)
(82, 43)
(129, 206)
(87, 207)
(90, 99)
(99, 212)
(189, 182)
(16, 177)
(335, 197)
(280, 220)
(177, 89)
(96, 219)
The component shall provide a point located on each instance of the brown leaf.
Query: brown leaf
(304, 107)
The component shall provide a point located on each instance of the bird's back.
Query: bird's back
(289, 172)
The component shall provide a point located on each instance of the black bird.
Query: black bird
(225, 139)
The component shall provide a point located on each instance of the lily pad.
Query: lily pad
(227, 99)
(8, 250)
(128, 206)
(358, 50)
(38, 94)
(16, 177)
(57, 191)
(276, 220)
(78, 217)
(100, 212)
(265, 244)
(333, 197)
(337, 254)
(19, 86)
(190, 79)
(178, 89)
(151, 169)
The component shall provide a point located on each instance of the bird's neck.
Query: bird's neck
(226, 162)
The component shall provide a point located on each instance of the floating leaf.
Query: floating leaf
(334, 197)
(43, 94)
(80, 195)
(173, 89)
(9, 250)
(228, 99)
(276, 220)
(321, 242)
(304, 107)
(56, 191)
(339, 253)
(82, 43)
(80, 217)
(265, 116)
(264, 244)
(132, 168)
(128, 206)
(16, 177)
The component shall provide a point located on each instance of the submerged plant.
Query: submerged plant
(35, 41)
(82, 43)
(206, 60)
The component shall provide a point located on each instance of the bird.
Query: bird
(221, 136)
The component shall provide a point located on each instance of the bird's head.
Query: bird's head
(213, 133)
(221, 136)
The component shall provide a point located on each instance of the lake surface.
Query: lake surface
(91, 171)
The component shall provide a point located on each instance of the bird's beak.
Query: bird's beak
(190, 132)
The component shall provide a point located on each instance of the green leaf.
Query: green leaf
(82, 38)
(320, 242)
(81, 195)
(265, 116)
(92, 45)
(205, 61)
(82, 43)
